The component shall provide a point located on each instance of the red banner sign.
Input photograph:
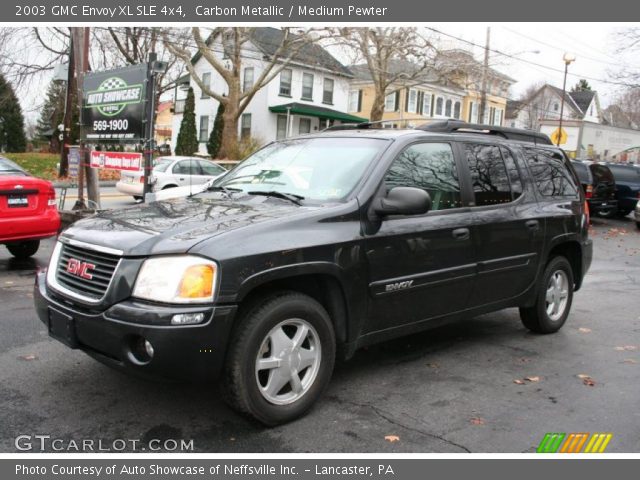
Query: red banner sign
(116, 160)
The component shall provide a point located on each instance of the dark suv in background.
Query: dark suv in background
(627, 178)
(319, 245)
(599, 186)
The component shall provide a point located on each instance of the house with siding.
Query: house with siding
(310, 94)
(450, 89)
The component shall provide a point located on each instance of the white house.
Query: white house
(310, 94)
(546, 103)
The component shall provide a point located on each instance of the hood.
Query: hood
(175, 226)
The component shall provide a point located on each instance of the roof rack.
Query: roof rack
(366, 125)
(457, 126)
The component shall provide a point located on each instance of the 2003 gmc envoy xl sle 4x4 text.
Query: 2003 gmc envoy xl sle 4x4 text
(316, 246)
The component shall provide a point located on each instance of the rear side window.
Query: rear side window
(491, 184)
(583, 172)
(513, 173)
(550, 173)
(187, 167)
(431, 167)
(601, 173)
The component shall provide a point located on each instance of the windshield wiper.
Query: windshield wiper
(292, 197)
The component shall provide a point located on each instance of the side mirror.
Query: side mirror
(404, 201)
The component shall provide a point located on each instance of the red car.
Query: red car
(28, 211)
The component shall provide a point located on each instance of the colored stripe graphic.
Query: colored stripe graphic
(573, 442)
(598, 443)
(550, 442)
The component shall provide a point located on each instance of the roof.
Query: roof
(568, 99)
(513, 108)
(583, 99)
(313, 111)
(268, 39)
(361, 71)
(457, 58)
(162, 106)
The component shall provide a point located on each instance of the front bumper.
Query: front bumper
(194, 352)
(133, 189)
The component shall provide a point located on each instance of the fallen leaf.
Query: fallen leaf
(583, 376)
(433, 365)
(477, 421)
(619, 349)
(518, 382)
(584, 330)
(532, 379)
(392, 438)
(589, 382)
(28, 358)
(629, 360)
(8, 283)
(630, 347)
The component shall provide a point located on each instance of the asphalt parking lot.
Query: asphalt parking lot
(482, 385)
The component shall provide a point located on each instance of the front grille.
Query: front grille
(94, 288)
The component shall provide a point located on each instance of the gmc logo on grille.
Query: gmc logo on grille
(80, 269)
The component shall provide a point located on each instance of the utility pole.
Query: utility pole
(485, 75)
(150, 114)
(80, 37)
(68, 115)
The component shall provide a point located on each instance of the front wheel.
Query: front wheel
(281, 358)
(24, 249)
(555, 294)
(606, 213)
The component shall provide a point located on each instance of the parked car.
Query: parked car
(170, 172)
(316, 246)
(599, 187)
(28, 210)
(627, 179)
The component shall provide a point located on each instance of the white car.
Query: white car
(170, 172)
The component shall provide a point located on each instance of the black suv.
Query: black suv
(627, 178)
(599, 187)
(316, 246)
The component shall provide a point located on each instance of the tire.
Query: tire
(541, 317)
(24, 249)
(274, 324)
(137, 197)
(624, 213)
(606, 213)
(638, 225)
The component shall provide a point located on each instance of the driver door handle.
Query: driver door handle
(461, 234)
(532, 225)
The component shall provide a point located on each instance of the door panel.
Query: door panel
(508, 232)
(421, 267)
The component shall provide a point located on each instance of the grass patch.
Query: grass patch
(41, 165)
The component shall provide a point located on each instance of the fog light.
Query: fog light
(148, 348)
(187, 318)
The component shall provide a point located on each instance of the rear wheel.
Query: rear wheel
(624, 213)
(24, 249)
(137, 198)
(555, 294)
(606, 213)
(280, 359)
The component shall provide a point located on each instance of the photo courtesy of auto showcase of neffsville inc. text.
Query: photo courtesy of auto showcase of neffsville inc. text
(318, 239)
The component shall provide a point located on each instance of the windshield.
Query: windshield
(313, 168)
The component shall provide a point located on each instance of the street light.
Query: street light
(568, 59)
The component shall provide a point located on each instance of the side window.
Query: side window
(209, 168)
(491, 183)
(431, 167)
(512, 172)
(187, 167)
(550, 173)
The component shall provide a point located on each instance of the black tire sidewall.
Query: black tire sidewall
(24, 249)
(288, 307)
(546, 324)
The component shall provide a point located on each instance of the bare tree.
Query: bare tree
(234, 44)
(379, 48)
(628, 42)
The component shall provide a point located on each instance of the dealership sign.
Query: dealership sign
(116, 160)
(113, 105)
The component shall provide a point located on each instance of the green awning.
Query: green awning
(314, 111)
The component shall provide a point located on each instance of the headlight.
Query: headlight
(177, 279)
